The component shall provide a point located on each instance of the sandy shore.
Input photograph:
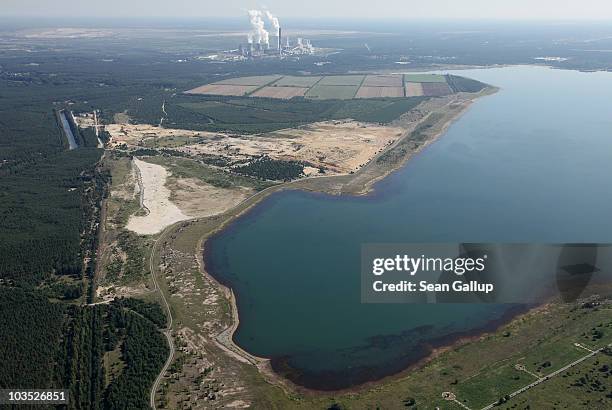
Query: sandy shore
(155, 201)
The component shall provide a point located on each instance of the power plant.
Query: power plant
(263, 44)
(258, 39)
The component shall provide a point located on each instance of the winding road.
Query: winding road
(168, 330)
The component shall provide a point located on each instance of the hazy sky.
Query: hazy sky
(473, 9)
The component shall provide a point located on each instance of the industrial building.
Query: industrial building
(259, 42)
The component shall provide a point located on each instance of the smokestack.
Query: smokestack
(280, 45)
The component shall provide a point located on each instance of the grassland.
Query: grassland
(586, 386)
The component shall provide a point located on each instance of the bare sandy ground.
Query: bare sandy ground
(198, 199)
(156, 200)
(85, 120)
(168, 200)
(337, 146)
(134, 134)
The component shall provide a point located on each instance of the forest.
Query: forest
(71, 345)
(267, 168)
(257, 115)
(49, 215)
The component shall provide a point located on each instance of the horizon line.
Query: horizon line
(316, 18)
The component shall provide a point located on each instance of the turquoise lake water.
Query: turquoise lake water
(532, 163)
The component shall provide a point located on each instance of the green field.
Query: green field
(488, 386)
(296, 81)
(342, 80)
(424, 78)
(332, 92)
(586, 386)
(589, 326)
(546, 359)
(256, 80)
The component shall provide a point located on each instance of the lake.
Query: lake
(531, 163)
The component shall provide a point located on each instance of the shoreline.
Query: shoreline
(356, 187)
(434, 347)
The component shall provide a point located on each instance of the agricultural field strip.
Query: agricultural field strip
(284, 92)
(326, 91)
(383, 81)
(255, 80)
(296, 81)
(413, 89)
(330, 87)
(378, 92)
(424, 78)
(223, 89)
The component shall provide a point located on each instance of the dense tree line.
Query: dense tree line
(80, 369)
(90, 333)
(463, 84)
(49, 213)
(41, 215)
(63, 290)
(29, 337)
(89, 137)
(144, 351)
(256, 115)
(272, 169)
(150, 311)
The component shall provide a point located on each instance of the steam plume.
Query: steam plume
(274, 21)
(259, 34)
